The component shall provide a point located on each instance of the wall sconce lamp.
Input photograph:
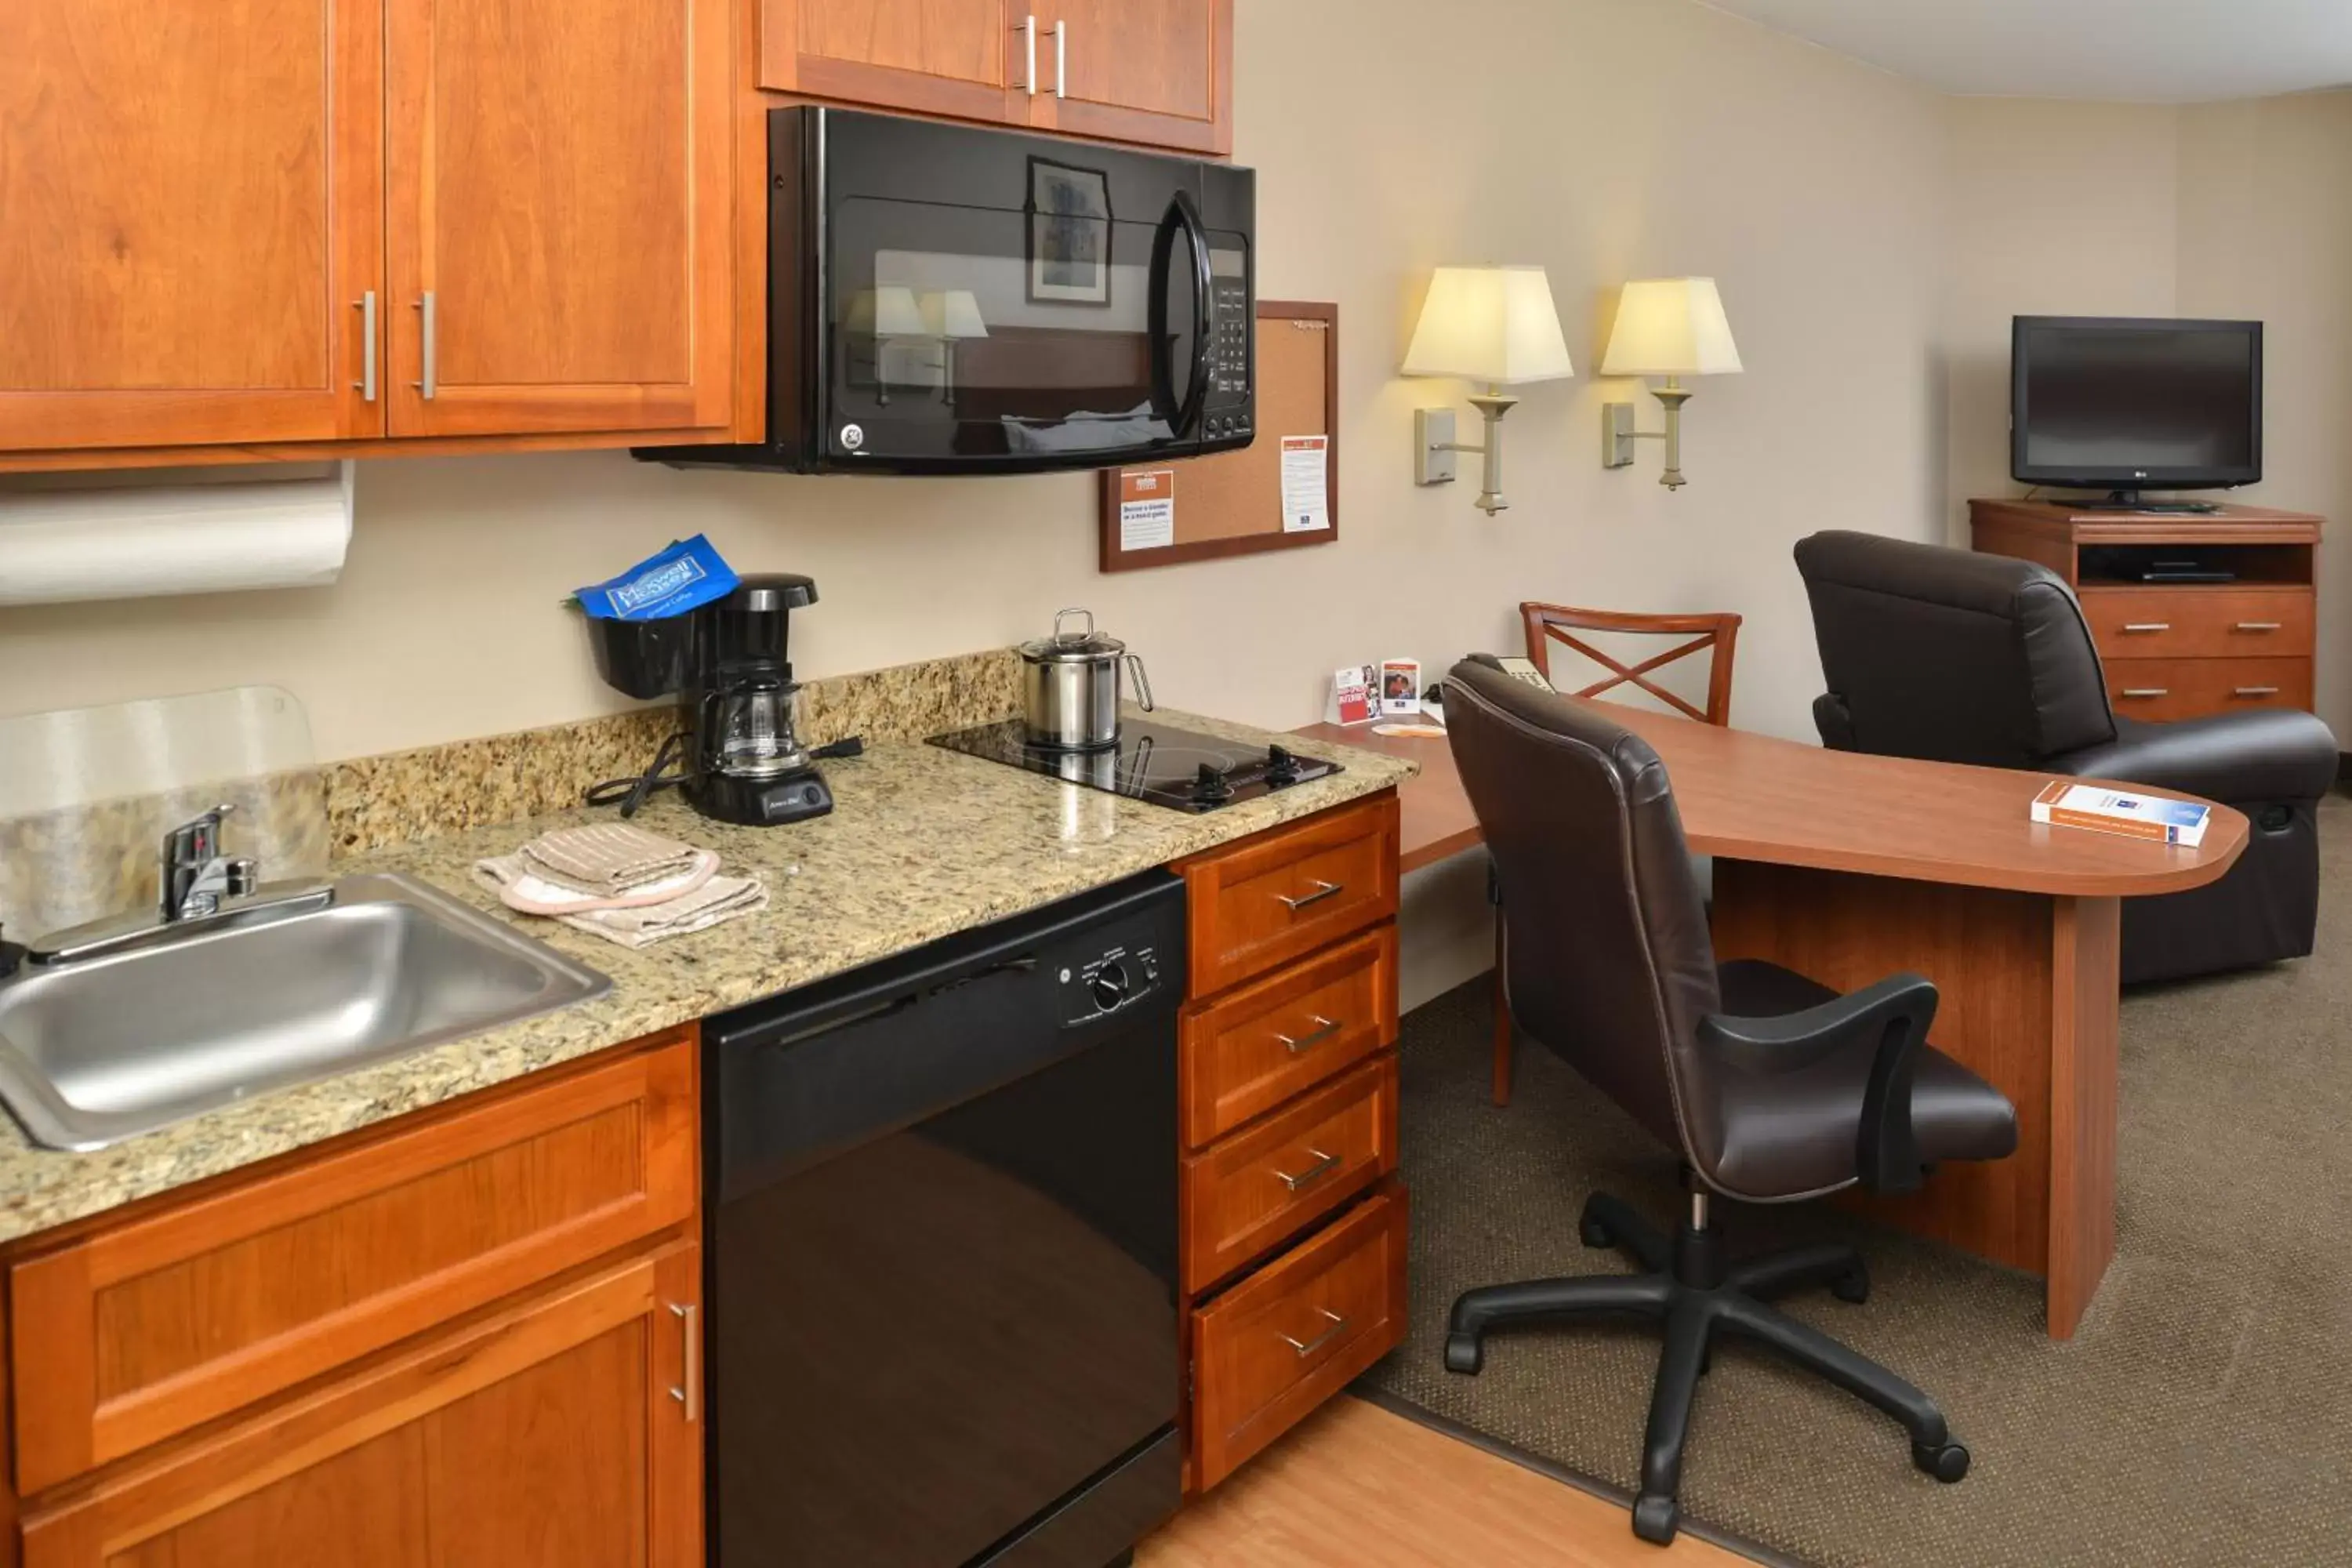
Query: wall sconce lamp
(1671, 327)
(1495, 324)
(953, 316)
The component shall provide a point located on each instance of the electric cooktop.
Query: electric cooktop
(1181, 769)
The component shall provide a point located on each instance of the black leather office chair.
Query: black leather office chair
(1963, 658)
(1773, 1088)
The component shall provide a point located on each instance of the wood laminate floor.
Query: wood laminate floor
(1357, 1487)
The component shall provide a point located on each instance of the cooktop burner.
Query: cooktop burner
(1182, 769)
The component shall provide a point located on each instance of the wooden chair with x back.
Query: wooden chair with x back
(1714, 635)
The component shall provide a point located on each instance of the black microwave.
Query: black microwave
(948, 299)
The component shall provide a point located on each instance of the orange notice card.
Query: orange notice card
(2127, 812)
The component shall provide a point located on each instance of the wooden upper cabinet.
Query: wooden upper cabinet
(556, 1431)
(963, 58)
(1154, 71)
(557, 222)
(190, 212)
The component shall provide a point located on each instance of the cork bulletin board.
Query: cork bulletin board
(1233, 503)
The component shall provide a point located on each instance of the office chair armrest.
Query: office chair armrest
(1876, 1031)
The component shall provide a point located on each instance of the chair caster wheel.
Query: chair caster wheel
(1463, 1354)
(1854, 1284)
(1655, 1518)
(1947, 1462)
(1592, 1233)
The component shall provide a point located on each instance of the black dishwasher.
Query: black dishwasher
(942, 1249)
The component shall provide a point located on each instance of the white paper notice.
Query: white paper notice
(1306, 484)
(1147, 509)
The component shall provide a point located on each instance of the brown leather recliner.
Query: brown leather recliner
(1963, 658)
(1773, 1088)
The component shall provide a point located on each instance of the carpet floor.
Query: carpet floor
(2202, 1414)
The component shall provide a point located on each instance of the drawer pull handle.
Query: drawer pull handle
(2261, 626)
(689, 1392)
(1322, 890)
(2256, 691)
(1305, 1348)
(2147, 626)
(2136, 691)
(1323, 1167)
(1324, 1030)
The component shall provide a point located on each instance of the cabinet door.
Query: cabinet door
(1155, 71)
(190, 220)
(964, 58)
(551, 1432)
(559, 220)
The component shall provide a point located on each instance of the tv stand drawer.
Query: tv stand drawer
(2201, 623)
(2162, 689)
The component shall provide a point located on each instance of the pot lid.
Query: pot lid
(1073, 646)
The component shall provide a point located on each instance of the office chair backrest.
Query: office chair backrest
(1949, 654)
(1610, 962)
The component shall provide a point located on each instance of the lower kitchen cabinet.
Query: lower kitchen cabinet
(560, 1430)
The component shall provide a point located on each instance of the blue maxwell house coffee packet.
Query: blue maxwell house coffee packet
(688, 574)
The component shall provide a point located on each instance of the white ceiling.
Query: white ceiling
(2173, 51)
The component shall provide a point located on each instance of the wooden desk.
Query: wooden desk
(1824, 862)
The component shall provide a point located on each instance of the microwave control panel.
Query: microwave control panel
(1229, 407)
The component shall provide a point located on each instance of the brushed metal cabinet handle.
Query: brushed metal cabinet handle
(2147, 626)
(2146, 691)
(1028, 28)
(1062, 59)
(366, 304)
(2255, 691)
(1300, 1045)
(690, 1390)
(2261, 626)
(1305, 1348)
(1323, 890)
(1323, 1167)
(430, 386)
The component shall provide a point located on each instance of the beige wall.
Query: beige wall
(2056, 209)
(1606, 139)
(2266, 232)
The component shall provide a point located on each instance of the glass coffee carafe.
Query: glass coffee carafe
(755, 727)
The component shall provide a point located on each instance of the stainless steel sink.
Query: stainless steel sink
(104, 1049)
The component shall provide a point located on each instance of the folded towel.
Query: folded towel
(720, 899)
(608, 858)
(633, 924)
(519, 886)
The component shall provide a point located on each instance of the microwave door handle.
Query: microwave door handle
(1196, 238)
(1164, 404)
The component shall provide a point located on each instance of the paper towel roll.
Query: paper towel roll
(134, 543)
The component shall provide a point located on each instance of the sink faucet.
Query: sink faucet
(198, 883)
(195, 876)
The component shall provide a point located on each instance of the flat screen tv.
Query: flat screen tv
(2121, 404)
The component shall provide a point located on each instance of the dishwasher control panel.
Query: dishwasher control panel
(1104, 984)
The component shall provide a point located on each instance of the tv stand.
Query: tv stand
(2199, 614)
(2131, 500)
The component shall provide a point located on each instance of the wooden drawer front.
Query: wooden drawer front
(1283, 893)
(546, 1432)
(149, 1328)
(1250, 1050)
(2168, 688)
(1272, 1349)
(2201, 623)
(1257, 1187)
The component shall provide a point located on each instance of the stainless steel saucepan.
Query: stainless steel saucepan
(1070, 686)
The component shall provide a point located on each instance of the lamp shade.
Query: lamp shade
(1670, 326)
(884, 312)
(1489, 323)
(952, 313)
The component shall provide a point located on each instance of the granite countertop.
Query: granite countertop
(923, 843)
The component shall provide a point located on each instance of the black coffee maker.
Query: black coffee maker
(736, 756)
